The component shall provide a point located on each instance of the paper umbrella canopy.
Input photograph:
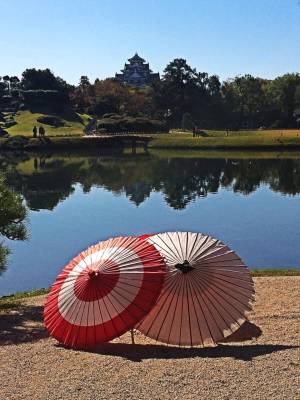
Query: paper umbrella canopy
(104, 292)
(206, 293)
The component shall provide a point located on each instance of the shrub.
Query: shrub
(51, 99)
(10, 122)
(112, 115)
(51, 120)
(3, 133)
(103, 105)
(278, 124)
(132, 124)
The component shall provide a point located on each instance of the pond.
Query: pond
(249, 201)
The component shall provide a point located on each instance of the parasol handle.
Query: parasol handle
(132, 336)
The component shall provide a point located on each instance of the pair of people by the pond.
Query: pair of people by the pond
(197, 132)
(42, 131)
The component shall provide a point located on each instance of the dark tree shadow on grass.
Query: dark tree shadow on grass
(21, 324)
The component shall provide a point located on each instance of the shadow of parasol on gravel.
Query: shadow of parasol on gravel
(139, 352)
(25, 325)
(22, 325)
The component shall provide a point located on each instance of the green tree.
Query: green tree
(214, 108)
(187, 122)
(244, 100)
(104, 105)
(36, 79)
(84, 81)
(2, 88)
(44, 92)
(179, 87)
(5, 82)
(14, 81)
(297, 117)
(284, 95)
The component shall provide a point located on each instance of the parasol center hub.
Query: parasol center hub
(184, 267)
(93, 273)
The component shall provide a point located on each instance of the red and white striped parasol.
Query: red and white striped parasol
(104, 292)
(206, 293)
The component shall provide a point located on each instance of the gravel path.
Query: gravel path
(33, 366)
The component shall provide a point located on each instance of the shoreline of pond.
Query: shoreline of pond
(158, 141)
(5, 300)
(161, 153)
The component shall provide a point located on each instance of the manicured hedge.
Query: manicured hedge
(53, 99)
(114, 124)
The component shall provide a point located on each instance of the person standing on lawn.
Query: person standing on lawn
(42, 131)
(34, 131)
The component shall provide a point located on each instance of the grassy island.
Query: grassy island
(69, 134)
(72, 124)
(260, 139)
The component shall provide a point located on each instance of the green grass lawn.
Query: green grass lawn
(243, 132)
(74, 124)
(275, 272)
(219, 140)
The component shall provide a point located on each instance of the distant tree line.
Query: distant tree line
(184, 98)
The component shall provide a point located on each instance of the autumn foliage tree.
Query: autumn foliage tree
(245, 101)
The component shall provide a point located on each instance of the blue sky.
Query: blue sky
(95, 37)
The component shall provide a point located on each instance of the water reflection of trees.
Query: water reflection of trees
(46, 181)
(12, 216)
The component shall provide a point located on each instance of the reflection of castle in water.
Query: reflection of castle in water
(180, 180)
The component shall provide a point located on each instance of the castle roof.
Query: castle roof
(136, 58)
